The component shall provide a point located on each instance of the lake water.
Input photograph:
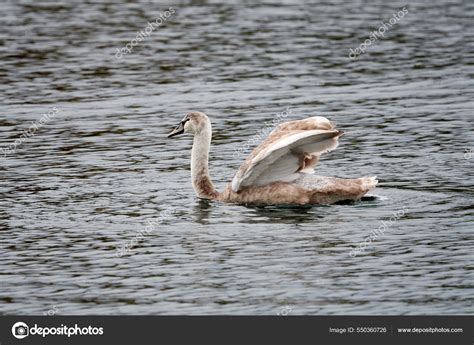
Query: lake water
(97, 171)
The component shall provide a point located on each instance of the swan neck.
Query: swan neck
(202, 182)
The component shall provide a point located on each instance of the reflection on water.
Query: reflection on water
(89, 180)
(202, 210)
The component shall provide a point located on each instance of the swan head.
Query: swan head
(194, 122)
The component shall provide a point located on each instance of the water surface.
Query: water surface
(92, 177)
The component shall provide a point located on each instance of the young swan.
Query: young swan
(279, 170)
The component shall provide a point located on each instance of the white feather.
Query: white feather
(281, 160)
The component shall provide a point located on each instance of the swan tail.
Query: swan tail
(369, 182)
(328, 190)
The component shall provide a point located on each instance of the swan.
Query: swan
(279, 170)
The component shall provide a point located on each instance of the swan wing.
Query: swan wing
(292, 147)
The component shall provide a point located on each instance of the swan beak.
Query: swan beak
(178, 130)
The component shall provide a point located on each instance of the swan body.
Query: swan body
(280, 170)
